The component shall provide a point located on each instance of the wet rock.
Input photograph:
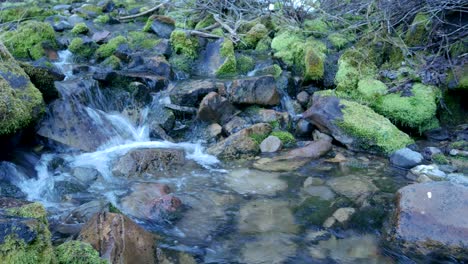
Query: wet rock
(163, 48)
(313, 181)
(158, 65)
(313, 150)
(254, 90)
(240, 144)
(119, 240)
(437, 134)
(303, 98)
(190, 93)
(84, 212)
(44, 78)
(341, 216)
(100, 36)
(456, 152)
(151, 201)
(406, 158)
(260, 115)
(353, 187)
(157, 162)
(235, 125)
(432, 172)
(304, 128)
(279, 164)
(215, 109)
(428, 152)
(268, 248)
(431, 218)
(64, 187)
(210, 59)
(158, 115)
(75, 19)
(8, 189)
(324, 192)
(85, 175)
(214, 130)
(270, 144)
(247, 181)
(263, 216)
(314, 210)
(162, 26)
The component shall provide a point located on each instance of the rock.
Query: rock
(323, 192)
(314, 210)
(273, 248)
(428, 152)
(151, 201)
(254, 90)
(163, 48)
(84, 212)
(270, 144)
(21, 101)
(156, 162)
(77, 252)
(8, 189)
(303, 98)
(159, 66)
(356, 126)
(190, 93)
(430, 171)
(101, 36)
(160, 116)
(260, 115)
(339, 158)
(313, 150)
(119, 240)
(235, 125)
(246, 181)
(406, 158)
(303, 128)
(162, 26)
(456, 152)
(437, 134)
(214, 130)
(279, 164)
(75, 19)
(342, 215)
(431, 218)
(240, 144)
(85, 175)
(310, 181)
(215, 109)
(353, 187)
(263, 216)
(44, 79)
(210, 59)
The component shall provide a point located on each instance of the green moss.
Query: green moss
(24, 12)
(286, 138)
(205, 22)
(109, 48)
(229, 67)
(339, 40)
(183, 44)
(112, 62)
(142, 40)
(274, 70)
(354, 65)
(80, 28)
(417, 34)
(91, 8)
(460, 145)
(317, 27)
(314, 63)
(258, 138)
(81, 49)
(245, 64)
(416, 111)
(440, 159)
(218, 32)
(40, 250)
(254, 35)
(264, 44)
(77, 252)
(181, 62)
(28, 39)
(372, 131)
(314, 211)
(457, 77)
(371, 89)
(287, 46)
(147, 27)
(102, 19)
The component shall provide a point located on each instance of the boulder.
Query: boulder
(152, 201)
(162, 26)
(240, 144)
(156, 162)
(406, 158)
(355, 125)
(236, 124)
(432, 218)
(190, 93)
(20, 101)
(254, 91)
(215, 109)
(270, 144)
(429, 152)
(44, 79)
(210, 59)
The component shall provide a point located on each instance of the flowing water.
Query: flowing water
(232, 213)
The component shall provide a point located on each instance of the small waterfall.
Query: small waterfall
(65, 63)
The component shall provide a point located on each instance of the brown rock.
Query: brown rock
(215, 109)
(254, 90)
(190, 93)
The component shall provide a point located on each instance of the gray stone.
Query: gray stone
(353, 187)
(303, 128)
(274, 248)
(428, 152)
(255, 91)
(430, 171)
(162, 26)
(303, 98)
(215, 109)
(270, 144)
(85, 175)
(235, 125)
(190, 93)
(406, 158)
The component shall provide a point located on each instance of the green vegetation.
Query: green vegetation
(263, 44)
(460, 145)
(418, 32)
(440, 159)
(373, 131)
(77, 252)
(142, 40)
(102, 19)
(258, 138)
(182, 44)
(317, 27)
(109, 48)
(80, 28)
(112, 62)
(286, 138)
(371, 89)
(254, 35)
(354, 65)
(340, 40)
(314, 61)
(23, 12)
(205, 22)
(81, 49)
(28, 40)
(274, 70)
(229, 67)
(245, 64)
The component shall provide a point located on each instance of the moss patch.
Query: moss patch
(77, 252)
(263, 44)
(28, 39)
(245, 64)
(317, 27)
(354, 65)
(109, 48)
(205, 22)
(23, 12)
(102, 19)
(418, 31)
(371, 89)
(373, 132)
(229, 67)
(142, 40)
(258, 138)
(440, 159)
(81, 49)
(286, 138)
(183, 44)
(181, 62)
(80, 28)
(340, 40)
(254, 35)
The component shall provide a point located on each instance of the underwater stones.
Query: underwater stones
(323, 192)
(254, 90)
(314, 210)
(155, 162)
(355, 125)
(406, 158)
(279, 164)
(355, 188)
(427, 173)
(240, 144)
(263, 216)
(190, 93)
(270, 144)
(432, 218)
(118, 239)
(151, 201)
(247, 181)
(215, 108)
(342, 215)
(274, 248)
(20, 101)
(162, 26)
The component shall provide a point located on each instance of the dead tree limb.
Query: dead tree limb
(149, 11)
(202, 34)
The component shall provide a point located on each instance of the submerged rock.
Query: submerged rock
(356, 188)
(246, 181)
(274, 248)
(432, 218)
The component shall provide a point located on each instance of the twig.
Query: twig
(143, 13)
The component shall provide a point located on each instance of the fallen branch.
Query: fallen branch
(231, 31)
(143, 13)
(202, 34)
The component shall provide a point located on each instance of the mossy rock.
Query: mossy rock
(80, 28)
(112, 62)
(23, 12)
(77, 252)
(372, 131)
(102, 19)
(274, 70)
(340, 40)
(108, 49)
(317, 27)
(29, 39)
(313, 62)
(263, 44)
(184, 45)
(314, 211)
(181, 63)
(286, 138)
(417, 34)
(20, 101)
(287, 46)
(457, 77)
(205, 22)
(142, 40)
(81, 49)
(354, 65)
(417, 111)
(37, 250)
(245, 64)
(229, 67)
(371, 89)
(254, 35)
